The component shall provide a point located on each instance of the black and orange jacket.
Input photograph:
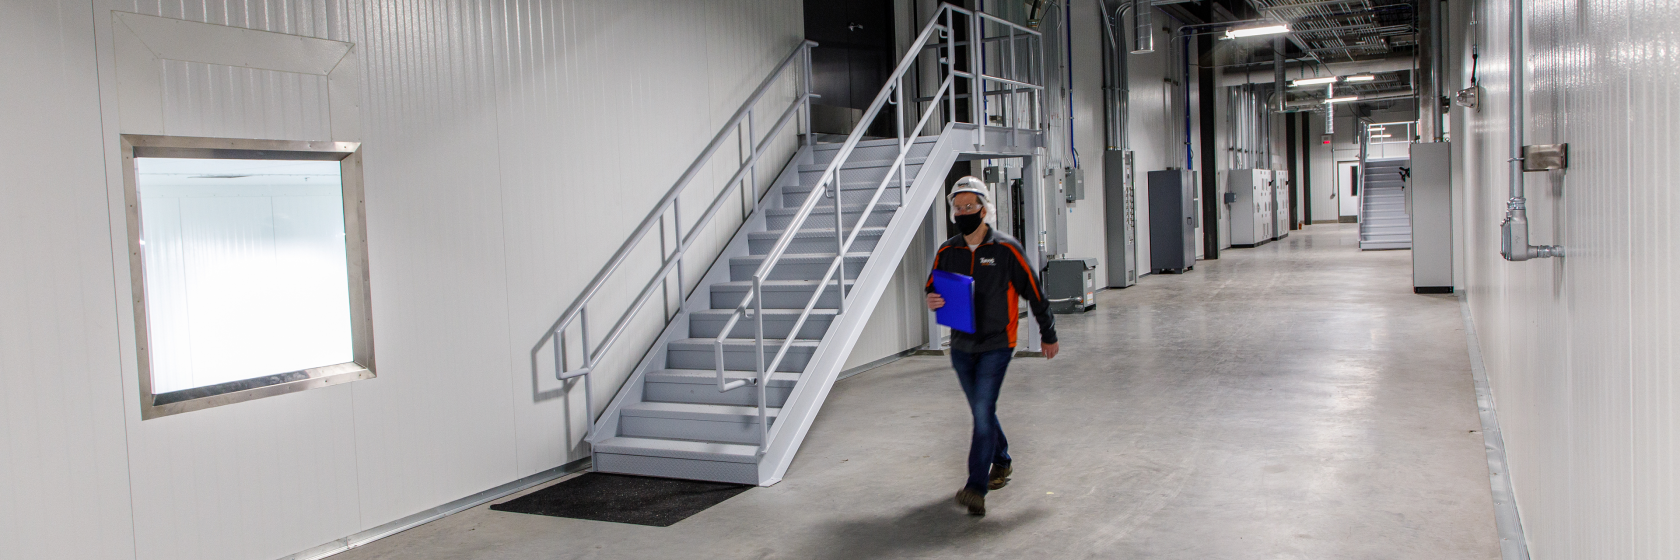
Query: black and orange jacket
(1001, 277)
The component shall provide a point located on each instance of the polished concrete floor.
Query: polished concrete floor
(1296, 400)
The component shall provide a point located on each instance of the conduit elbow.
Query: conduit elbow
(1513, 236)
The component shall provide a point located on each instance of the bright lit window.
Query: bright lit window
(250, 268)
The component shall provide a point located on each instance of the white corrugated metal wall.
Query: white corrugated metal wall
(509, 146)
(1581, 351)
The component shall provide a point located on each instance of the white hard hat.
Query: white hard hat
(971, 184)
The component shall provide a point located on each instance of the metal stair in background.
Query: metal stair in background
(733, 382)
(1383, 222)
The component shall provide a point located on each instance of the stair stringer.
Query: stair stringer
(826, 364)
(676, 328)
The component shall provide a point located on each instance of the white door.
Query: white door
(1347, 182)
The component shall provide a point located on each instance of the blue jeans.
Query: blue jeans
(981, 376)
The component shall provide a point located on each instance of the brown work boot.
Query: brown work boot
(999, 477)
(974, 501)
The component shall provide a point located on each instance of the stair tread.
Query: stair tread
(709, 377)
(833, 146)
(861, 164)
(850, 185)
(692, 411)
(708, 342)
(725, 313)
(747, 284)
(849, 209)
(801, 257)
(820, 232)
(679, 448)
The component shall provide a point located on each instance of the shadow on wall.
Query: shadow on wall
(927, 528)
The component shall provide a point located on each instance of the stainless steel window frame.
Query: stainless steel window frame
(349, 156)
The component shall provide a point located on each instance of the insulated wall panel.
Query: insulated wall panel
(1581, 350)
(508, 146)
(64, 490)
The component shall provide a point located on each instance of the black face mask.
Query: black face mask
(967, 223)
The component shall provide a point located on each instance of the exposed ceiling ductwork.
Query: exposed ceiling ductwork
(1346, 30)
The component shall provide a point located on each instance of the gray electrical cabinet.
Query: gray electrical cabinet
(1251, 209)
(1120, 206)
(1281, 187)
(1071, 285)
(1172, 221)
(1430, 197)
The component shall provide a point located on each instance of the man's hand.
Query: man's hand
(934, 301)
(1051, 349)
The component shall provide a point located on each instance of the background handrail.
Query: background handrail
(743, 117)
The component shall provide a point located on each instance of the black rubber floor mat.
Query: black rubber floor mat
(656, 502)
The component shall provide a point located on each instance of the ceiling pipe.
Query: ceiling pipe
(1237, 75)
(1514, 230)
(1143, 32)
(1319, 104)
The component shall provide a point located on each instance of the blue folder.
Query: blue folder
(958, 291)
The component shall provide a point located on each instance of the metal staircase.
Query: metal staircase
(1383, 222)
(732, 384)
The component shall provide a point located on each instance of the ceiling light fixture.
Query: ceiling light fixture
(1359, 78)
(1314, 81)
(1256, 31)
(1381, 135)
(1342, 99)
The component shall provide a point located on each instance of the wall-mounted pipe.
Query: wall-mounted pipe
(1436, 60)
(1116, 76)
(1514, 230)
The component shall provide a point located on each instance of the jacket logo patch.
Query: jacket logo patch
(987, 262)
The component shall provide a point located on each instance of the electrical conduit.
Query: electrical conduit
(1514, 230)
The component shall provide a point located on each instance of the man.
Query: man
(1001, 275)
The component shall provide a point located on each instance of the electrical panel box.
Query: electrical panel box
(1120, 205)
(1074, 185)
(1281, 189)
(1252, 214)
(1172, 221)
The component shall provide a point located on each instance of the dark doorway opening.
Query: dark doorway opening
(853, 59)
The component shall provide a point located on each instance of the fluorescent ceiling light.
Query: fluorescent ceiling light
(1342, 99)
(1314, 81)
(1256, 31)
(1359, 78)
(1380, 136)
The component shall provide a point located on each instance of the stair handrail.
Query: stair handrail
(890, 93)
(740, 123)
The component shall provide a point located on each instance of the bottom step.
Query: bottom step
(667, 467)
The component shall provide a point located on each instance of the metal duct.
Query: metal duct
(1143, 36)
(1279, 88)
(1245, 73)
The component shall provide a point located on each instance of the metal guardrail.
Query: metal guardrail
(947, 60)
(741, 127)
